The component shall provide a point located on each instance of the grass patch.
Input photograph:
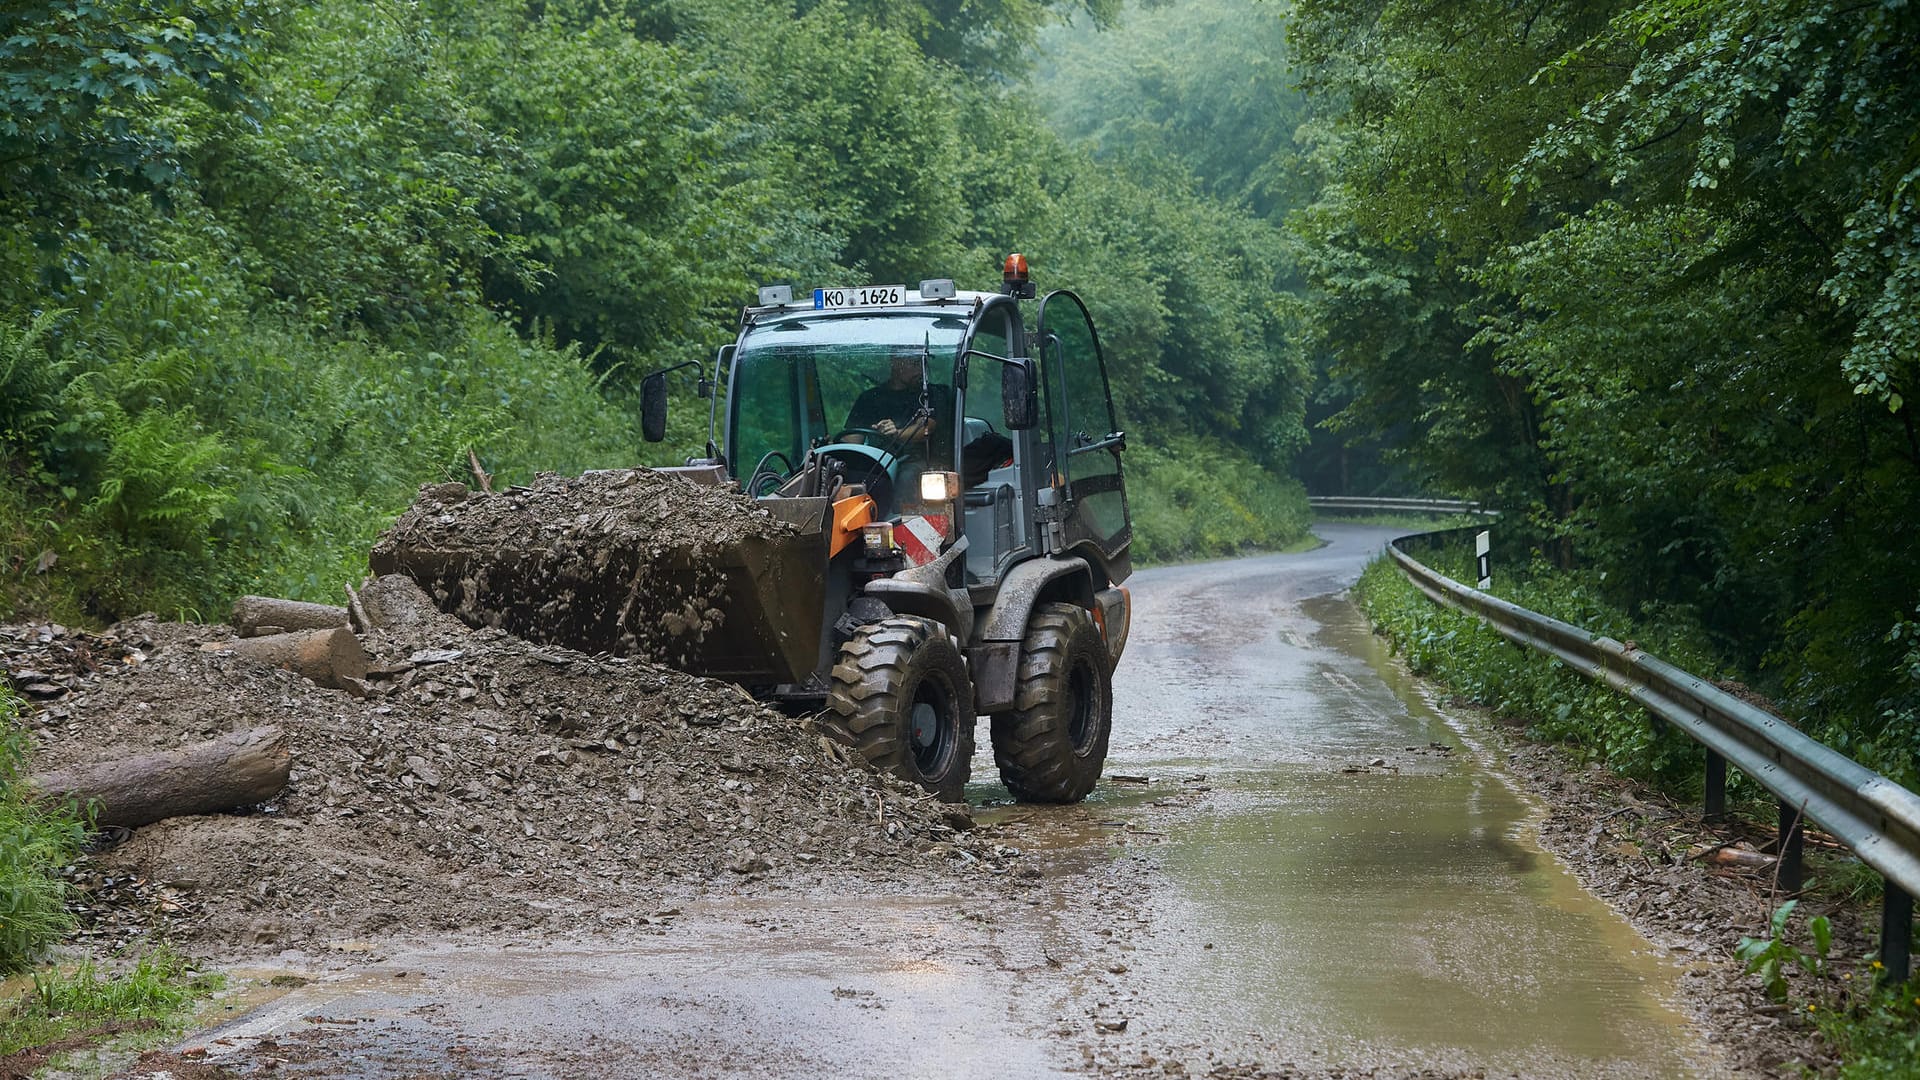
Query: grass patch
(35, 841)
(79, 1008)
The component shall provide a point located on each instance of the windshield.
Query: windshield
(801, 381)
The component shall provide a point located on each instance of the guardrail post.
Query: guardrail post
(1716, 787)
(1896, 925)
(1788, 848)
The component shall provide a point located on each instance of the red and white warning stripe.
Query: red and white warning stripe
(920, 537)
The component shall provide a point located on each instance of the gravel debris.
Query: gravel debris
(484, 784)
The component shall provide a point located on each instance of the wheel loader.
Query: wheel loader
(955, 532)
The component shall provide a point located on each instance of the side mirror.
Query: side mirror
(1018, 401)
(653, 407)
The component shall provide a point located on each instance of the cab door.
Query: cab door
(1086, 439)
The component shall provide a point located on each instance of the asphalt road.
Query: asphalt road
(1319, 871)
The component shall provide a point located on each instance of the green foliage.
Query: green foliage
(985, 38)
(79, 79)
(159, 986)
(1203, 82)
(29, 380)
(1556, 704)
(1873, 1027)
(374, 236)
(1196, 500)
(1770, 957)
(1877, 1034)
(35, 843)
(1642, 274)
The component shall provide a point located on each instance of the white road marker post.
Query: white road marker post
(1483, 558)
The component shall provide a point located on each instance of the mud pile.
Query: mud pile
(632, 562)
(485, 783)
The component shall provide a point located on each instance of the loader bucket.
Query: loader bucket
(732, 602)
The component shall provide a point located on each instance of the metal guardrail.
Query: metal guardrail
(1392, 506)
(1877, 818)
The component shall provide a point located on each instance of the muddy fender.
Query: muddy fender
(994, 654)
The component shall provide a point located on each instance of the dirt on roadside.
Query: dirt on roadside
(482, 784)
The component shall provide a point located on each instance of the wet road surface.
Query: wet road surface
(1364, 875)
(1320, 869)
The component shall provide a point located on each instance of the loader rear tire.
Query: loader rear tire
(1052, 746)
(900, 695)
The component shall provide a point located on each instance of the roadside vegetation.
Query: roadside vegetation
(266, 269)
(68, 1006)
(1556, 705)
(36, 842)
(1643, 275)
(74, 1010)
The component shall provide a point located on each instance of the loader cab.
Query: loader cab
(845, 385)
(817, 377)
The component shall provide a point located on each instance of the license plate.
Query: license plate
(860, 296)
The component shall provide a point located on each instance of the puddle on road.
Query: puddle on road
(1386, 917)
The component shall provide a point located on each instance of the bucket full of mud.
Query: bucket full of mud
(632, 562)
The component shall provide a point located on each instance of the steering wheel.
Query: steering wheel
(888, 445)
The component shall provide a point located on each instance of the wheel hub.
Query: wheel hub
(926, 727)
(930, 731)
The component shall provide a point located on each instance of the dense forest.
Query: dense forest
(1646, 276)
(1642, 275)
(269, 267)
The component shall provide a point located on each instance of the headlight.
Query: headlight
(937, 487)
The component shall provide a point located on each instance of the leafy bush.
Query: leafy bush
(35, 842)
(1192, 500)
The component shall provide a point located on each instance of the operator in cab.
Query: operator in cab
(892, 410)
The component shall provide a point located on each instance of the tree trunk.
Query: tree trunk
(239, 769)
(259, 616)
(329, 657)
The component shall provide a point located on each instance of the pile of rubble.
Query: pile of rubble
(469, 781)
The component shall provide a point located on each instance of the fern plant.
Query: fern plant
(31, 378)
(35, 842)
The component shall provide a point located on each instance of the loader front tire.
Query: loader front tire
(1051, 747)
(901, 697)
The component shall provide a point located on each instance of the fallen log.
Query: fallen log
(329, 657)
(239, 769)
(261, 616)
